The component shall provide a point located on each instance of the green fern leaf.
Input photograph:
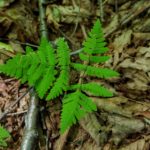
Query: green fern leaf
(75, 106)
(43, 85)
(29, 50)
(95, 43)
(3, 135)
(62, 81)
(94, 88)
(37, 75)
(94, 71)
(26, 64)
(93, 59)
(35, 67)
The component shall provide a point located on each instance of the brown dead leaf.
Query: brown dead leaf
(92, 126)
(122, 127)
(145, 114)
(141, 144)
(142, 25)
(5, 24)
(24, 22)
(66, 14)
(122, 41)
(89, 145)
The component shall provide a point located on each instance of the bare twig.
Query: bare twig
(17, 113)
(10, 108)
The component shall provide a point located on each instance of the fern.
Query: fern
(4, 134)
(48, 71)
(78, 104)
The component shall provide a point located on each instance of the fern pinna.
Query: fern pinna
(4, 134)
(48, 69)
(39, 68)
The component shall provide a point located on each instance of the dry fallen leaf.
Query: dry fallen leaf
(141, 144)
(66, 14)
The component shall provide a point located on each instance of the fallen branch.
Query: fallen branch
(30, 138)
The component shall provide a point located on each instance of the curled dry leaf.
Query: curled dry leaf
(120, 43)
(141, 144)
(91, 125)
(110, 105)
(112, 25)
(65, 14)
(89, 145)
(24, 22)
(135, 71)
(86, 4)
(5, 24)
(122, 127)
(142, 25)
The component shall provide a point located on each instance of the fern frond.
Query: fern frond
(93, 59)
(3, 135)
(95, 71)
(37, 68)
(75, 106)
(94, 88)
(62, 81)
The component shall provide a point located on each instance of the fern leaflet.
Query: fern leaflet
(95, 71)
(4, 134)
(64, 62)
(75, 106)
(94, 88)
(93, 59)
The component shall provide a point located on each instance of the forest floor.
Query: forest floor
(121, 122)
